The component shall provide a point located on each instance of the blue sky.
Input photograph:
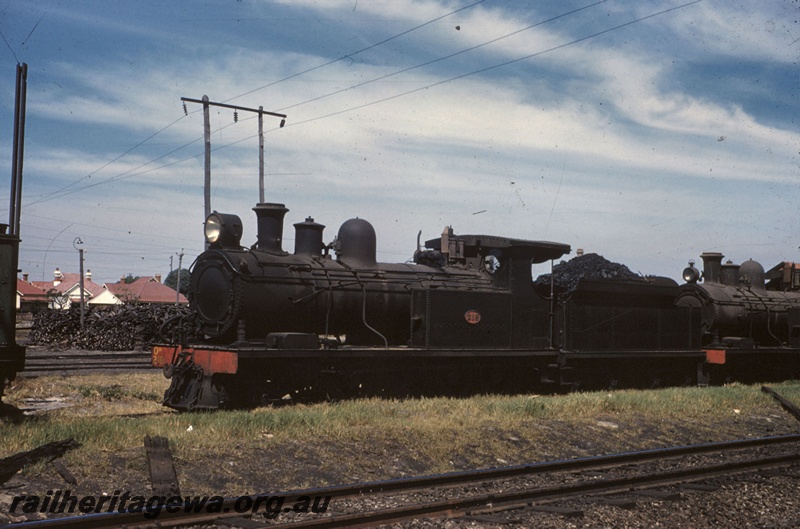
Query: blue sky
(645, 131)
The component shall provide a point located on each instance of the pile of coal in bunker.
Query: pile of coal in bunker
(119, 328)
(589, 266)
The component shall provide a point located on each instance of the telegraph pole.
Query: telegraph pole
(18, 153)
(261, 154)
(207, 135)
(178, 284)
(207, 128)
(75, 244)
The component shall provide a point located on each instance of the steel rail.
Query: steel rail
(501, 501)
(40, 363)
(785, 404)
(87, 354)
(339, 492)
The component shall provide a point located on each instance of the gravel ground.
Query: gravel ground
(749, 500)
(764, 500)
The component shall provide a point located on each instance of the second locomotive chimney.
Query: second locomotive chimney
(270, 226)
(729, 275)
(712, 262)
(308, 237)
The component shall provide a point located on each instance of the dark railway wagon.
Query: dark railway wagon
(12, 355)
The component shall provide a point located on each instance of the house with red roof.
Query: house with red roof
(30, 298)
(145, 290)
(64, 291)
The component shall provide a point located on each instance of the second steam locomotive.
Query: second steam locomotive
(465, 316)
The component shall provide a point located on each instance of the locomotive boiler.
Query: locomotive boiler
(242, 294)
(463, 316)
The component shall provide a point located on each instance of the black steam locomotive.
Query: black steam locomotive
(465, 316)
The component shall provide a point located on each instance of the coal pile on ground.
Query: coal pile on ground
(121, 328)
(589, 266)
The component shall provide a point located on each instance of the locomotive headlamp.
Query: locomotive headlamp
(691, 274)
(223, 230)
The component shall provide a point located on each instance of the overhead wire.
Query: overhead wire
(474, 72)
(353, 54)
(58, 193)
(131, 172)
(499, 65)
(444, 58)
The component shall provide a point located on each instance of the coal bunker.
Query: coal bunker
(567, 274)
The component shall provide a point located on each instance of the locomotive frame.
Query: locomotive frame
(465, 317)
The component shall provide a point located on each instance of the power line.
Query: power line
(499, 65)
(480, 70)
(352, 54)
(129, 173)
(465, 50)
(55, 194)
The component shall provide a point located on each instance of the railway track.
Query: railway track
(73, 362)
(482, 492)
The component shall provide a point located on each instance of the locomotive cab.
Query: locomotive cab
(509, 315)
(508, 261)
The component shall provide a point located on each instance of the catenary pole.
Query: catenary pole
(207, 127)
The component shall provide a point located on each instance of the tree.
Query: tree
(172, 280)
(130, 278)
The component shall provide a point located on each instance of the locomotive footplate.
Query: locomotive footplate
(225, 359)
(209, 377)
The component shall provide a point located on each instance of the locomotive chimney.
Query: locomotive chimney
(308, 238)
(712, 261)
(270, 226)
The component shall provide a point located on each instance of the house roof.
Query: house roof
(69, 282)
(145, 290)
(29, 291)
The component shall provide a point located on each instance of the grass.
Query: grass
(112, 414)
(98, 401)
